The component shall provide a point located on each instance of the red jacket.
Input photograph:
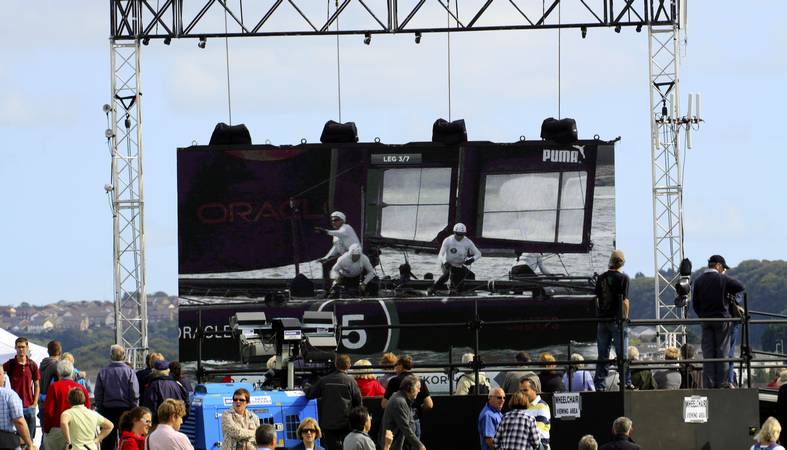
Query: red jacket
(57, 402)
(131, 441)
(370, 387)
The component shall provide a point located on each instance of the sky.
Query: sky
(56, 223)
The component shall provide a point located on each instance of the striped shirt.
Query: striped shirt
(517, 431)
(539, 410)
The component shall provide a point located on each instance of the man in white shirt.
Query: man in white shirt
(349, 269)
(456, 253)
(343, 237)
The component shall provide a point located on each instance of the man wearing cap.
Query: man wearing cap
(612, 297)
(712, 292)
(350, 267)
(457, 252)
(163, 386)
(343, 237)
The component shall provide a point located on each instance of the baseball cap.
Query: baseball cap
(161, 365)
(718, 259)
(460, 228)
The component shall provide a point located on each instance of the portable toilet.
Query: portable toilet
(283, 409)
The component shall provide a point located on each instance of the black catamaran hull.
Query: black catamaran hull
(417, 321)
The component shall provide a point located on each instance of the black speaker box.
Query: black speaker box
(339, 133)
(562, 131)
(449, 133)
(225, 134)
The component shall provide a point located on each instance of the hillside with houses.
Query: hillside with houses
(80, 315)
(86, 328)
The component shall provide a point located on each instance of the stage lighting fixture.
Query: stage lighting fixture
(584, 31)
(338, 133)
(617, 29)
(418, 38)
(367, 38)
(145, 41)
(202, 42)
(449, 133)
(639, 28)
(167, 41)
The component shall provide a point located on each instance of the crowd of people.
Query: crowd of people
(135, 403)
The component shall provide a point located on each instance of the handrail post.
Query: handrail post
(450, 370)
(745, 339)
(476, 338)
(569, 375)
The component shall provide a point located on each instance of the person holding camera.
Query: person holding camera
(711, 300)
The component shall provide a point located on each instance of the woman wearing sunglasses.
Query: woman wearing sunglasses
(134, 426)
(308, 433)
(239, 424)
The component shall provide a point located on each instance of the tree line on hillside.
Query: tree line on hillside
(91, 347)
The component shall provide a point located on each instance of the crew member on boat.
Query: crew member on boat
(349, 269)
(343, 237)
(456, 253)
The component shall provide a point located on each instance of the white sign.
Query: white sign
(566, 405)
(695, 409)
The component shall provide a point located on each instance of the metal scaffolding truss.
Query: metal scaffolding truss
(168, 19)
(127, 202)
(664, 46)
(136, 22)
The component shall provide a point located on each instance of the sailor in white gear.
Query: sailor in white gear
(457, 252)
(350, 267)
(343, 237)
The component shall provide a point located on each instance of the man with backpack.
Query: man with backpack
(612, 295)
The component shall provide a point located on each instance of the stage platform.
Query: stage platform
(658, 417)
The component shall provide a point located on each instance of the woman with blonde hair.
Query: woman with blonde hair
(465, 385)
(239, 424)
(768, 436)
(366, 380)
(551, 379)
(517, 427)
(308, 432)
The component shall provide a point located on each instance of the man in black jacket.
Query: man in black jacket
(338, 393)
(711, 300)
(621, 436)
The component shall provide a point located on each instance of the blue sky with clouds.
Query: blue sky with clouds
(56, 226)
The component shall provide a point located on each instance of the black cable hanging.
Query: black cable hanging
(227, 58)
(338, 58)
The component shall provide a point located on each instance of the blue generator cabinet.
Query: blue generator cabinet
(282, 409)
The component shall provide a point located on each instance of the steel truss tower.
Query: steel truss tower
(131, 323)
(139, 21)
(665, 124)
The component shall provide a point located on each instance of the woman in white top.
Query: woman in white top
(465, 383)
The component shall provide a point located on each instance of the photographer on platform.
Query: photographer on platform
(712, 291)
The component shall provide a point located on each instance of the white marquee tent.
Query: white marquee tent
(8, 350)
